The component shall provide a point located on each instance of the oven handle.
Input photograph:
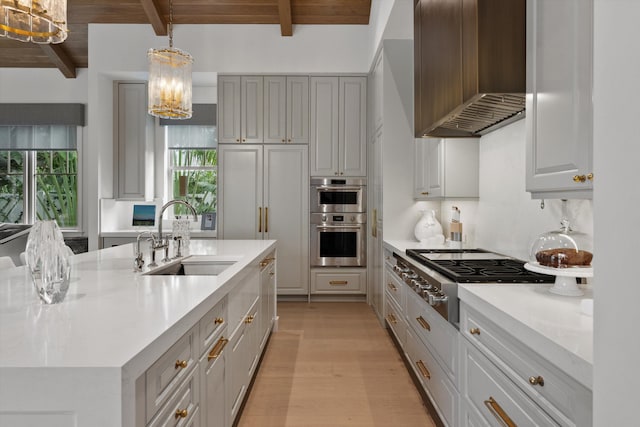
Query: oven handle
(333, 227)
(327, 188)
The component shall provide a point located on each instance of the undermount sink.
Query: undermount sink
(196, 265)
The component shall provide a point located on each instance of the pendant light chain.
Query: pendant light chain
(170, 23)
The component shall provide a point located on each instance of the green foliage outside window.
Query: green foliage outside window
(199, 166)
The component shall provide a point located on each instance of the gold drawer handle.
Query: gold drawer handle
(181, 413)
(423, 323)
(425, 193)
(218, 321)
(423, 369)
(338, 282)
(579, 178)
(217, 349)
(181, 364)
(537, 381)
(392, 319)
(474, 331)
(249, 319)
(392, 287)
(498, 412)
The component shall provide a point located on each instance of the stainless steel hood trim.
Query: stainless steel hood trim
(480, 115)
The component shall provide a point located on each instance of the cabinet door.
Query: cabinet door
(240, 191)
(298, 110)
(251, 103)
(352, 124)
(324, 126)
(229, 109)
(421, 169)
(559, 107)
(212, 394)
(377, 96)
(435, 163)
(133, 176)
(237, 367)
(275, 109)
(287, 214)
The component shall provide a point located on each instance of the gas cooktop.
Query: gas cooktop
(477, 266)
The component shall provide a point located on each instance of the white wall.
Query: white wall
(616, 208)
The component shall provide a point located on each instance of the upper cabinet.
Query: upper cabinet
(469, 65)
(446, 168)
(338, 126)
(263, 109)
(133, 143)
(286, 109)
(559, 105)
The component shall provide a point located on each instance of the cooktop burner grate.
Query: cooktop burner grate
(503, 270)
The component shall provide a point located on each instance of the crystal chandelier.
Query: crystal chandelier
(38, 21)
(170, 80)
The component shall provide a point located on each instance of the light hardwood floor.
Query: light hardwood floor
(332, 364)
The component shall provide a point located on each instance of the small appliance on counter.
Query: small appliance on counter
(564, 253)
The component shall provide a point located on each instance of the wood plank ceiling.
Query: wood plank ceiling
(72, 53)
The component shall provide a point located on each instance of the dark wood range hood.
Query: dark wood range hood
(470, 65)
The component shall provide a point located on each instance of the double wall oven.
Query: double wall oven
(338, 222)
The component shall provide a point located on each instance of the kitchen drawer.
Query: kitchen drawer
(558, 394)
(170, 370)
(345, 281)
(437, 334)
(490, 393)
(182, 408)
(395, 288)
(212, 324)
(395, 320)
(436, 382)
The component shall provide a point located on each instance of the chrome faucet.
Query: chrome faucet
(139, 259)
(163, 243)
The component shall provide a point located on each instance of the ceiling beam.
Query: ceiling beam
(284, 9)
(155, 17)
(60, 58)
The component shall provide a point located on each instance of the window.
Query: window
(193, 161)
(39, 174)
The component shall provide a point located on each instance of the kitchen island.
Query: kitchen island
(86, 361)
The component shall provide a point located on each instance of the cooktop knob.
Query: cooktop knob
(435, 299)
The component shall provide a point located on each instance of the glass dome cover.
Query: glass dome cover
(562, 248)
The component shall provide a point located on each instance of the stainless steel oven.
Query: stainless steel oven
(338, 195)
(338, 240)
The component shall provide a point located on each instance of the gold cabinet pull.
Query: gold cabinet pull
(423, 369)
(181, 364)
(266, 261)
(266, 220)
(237, 139)
(590, 176)
(217, 349)
(425, 193)
(339, 282)
(536, 381)
(498, 412)
(392, 286)
(423, 323)
(218, 321)
(259, 220)
(579, 178)
(181, 413)
(249, 319)
(474, 331)
(392, 319)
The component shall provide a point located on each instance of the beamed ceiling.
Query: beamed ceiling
(72, 53)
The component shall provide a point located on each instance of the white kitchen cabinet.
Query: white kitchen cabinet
(133, 143)
(446, 168)
(340, 280)
(286, 109)
(213, 385)
(242, 357)
(267, 297)
(240, 105)
(338, 126)
(264, 193)
(559, 122)
(529, 387)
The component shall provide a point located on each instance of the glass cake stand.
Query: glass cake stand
(566, 283)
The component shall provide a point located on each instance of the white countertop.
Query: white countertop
(403, 245)
(111, 314)
(552, 324)
(133, 232)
